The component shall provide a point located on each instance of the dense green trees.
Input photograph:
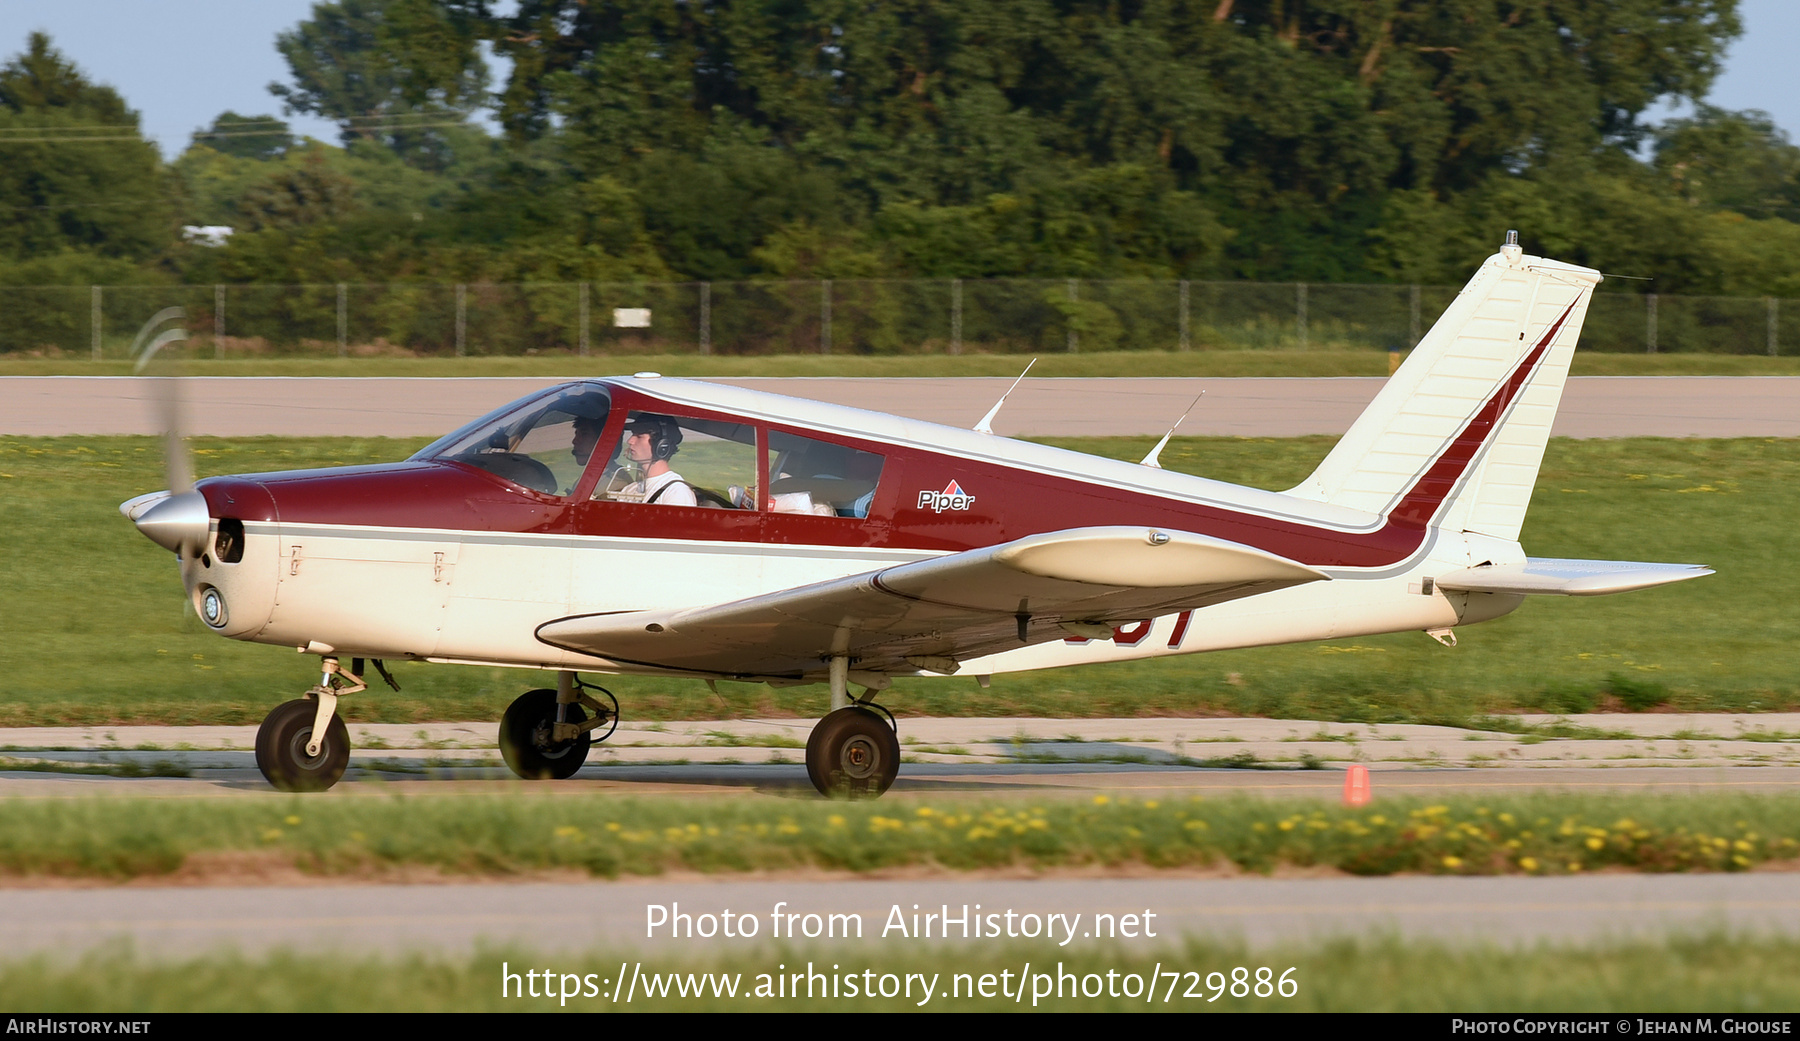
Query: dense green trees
(81, 192)
(1320, 140)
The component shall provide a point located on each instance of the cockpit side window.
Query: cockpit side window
(670, 460)
(543, 444)
(821, 478)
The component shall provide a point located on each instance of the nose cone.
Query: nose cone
(180, 523)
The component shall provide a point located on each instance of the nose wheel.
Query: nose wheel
(853, 752)
(303, 746)
(284, 748)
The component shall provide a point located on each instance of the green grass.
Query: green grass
(1219, 363)
(1716, 973)
(600, 834)
(95, 630)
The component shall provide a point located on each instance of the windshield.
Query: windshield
(542, 443)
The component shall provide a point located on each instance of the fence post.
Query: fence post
(825, 316)
(1300, 312)
(583, 349)
(1415, 314)
(343, 323)
(218, 321)
(1649, 323)
(94, 317)
(956, 316)
(1074, 297)
(706, 318)
(462, 318)
(1774, 327)
(1181, 323)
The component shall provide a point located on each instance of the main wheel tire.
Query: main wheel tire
(281, 748)
(853, 752)
(525, 738)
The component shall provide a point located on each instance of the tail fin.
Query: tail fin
(1456, 436)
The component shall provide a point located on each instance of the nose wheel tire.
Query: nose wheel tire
(853, 752)
(525, 738)
(281, 748)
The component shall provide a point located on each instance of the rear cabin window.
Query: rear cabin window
(820, 478)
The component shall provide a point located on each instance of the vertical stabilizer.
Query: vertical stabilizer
(1482, 387)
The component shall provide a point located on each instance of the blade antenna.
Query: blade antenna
(1151, 459)
(986, 426)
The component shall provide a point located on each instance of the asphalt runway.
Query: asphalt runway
(1596, 406)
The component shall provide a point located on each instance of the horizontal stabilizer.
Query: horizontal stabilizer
(942, 610)
(1556, 577)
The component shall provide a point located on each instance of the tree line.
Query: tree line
(1288, 140)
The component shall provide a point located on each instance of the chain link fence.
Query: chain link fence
(863, 316)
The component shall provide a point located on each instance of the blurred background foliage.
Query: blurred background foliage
(1287, 140)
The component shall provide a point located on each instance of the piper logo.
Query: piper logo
(951, 498)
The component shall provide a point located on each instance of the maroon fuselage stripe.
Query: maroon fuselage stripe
(1008, 502)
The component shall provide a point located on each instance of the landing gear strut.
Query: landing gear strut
(854, 751)
(303, 746)
(545, 734)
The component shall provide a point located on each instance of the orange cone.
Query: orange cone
(1356, 785)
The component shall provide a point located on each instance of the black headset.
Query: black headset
(665, 438)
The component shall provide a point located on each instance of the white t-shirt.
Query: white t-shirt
(673, 490)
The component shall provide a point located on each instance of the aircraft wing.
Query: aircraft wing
(1558, 577)
(929, 614)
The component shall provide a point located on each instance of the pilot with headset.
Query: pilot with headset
(649, 442)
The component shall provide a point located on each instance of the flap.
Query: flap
(954, 607)
(1558, 577)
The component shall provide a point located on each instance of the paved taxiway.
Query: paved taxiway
(1621, 406)
(1656, 752)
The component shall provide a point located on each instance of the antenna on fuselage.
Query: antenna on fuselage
(986, 426)
(1150, 460)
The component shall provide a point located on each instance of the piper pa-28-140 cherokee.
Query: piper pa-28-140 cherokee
(675, 528)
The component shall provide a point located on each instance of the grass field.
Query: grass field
(514, 834)
(1121, 363)
(95, 629)
(1688, 974)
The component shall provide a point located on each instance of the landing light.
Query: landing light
(212, 607)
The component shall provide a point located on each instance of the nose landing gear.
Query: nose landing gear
(303, 746)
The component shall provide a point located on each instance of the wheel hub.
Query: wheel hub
(861, 758)
(297, 750)
(540, 736)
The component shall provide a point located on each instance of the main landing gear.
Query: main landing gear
(545, 734)
(303, 746)
(854, 752)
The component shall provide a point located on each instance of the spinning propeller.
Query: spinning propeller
(176, 519)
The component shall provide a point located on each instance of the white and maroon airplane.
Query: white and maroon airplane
(667, 527)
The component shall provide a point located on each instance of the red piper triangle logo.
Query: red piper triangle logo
(951, 498)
